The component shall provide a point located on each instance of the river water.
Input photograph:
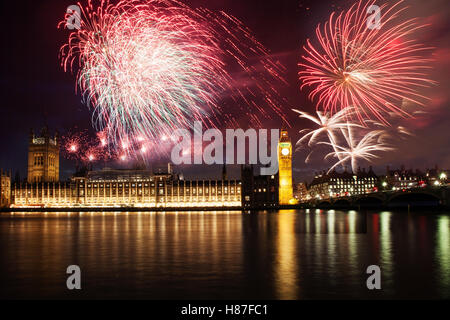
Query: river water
(312, 254)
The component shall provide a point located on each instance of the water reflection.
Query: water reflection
(352, 239)
(443, 254)
(386, 245)
(286, 266)
(202, 255)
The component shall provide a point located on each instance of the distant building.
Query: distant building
(43, 157)
(136, 188)
(399, 179)
(335, 184)
(258, 191)
(437, 177)
(140, 187)
(301, 192)
(5, 189)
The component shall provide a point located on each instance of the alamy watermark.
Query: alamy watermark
(231, 149)
(374, 280)
(73, 17)
(374, 20)
(74, 280)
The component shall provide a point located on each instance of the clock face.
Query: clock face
(285, 151)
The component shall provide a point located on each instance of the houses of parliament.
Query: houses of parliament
(141, 187)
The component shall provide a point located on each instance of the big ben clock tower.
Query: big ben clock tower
(285, 169)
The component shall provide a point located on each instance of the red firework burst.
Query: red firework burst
(149, 67)
(370, 70)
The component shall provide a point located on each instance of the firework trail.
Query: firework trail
(354, 149)
(391, 133)
(327, 123)
(150, 67)
(349, 141)
(369, 70)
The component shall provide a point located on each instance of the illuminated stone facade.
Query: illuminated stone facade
(5, 189)
(129, 188)
(43, 157)
(401, 179)
(335, 184)
(285, 169)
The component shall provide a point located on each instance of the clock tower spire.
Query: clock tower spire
(285, 169)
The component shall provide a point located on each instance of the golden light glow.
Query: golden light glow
(285, 169)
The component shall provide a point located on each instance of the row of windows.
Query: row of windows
(351, 180)
(133, 191)
(39, 159)
(73, 193)
(39, 178)
(51, 160)
(406, 178)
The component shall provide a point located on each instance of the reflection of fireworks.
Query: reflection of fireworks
(357, 148)
(369, 70)
(148, 67)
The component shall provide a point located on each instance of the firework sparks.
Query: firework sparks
(391, 133)
(327, 125)
(147, 67)
(73, 144)
(369, 70)
(356, 149)
(350, 141)
(78, 145)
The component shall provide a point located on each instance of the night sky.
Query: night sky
(35, 89)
